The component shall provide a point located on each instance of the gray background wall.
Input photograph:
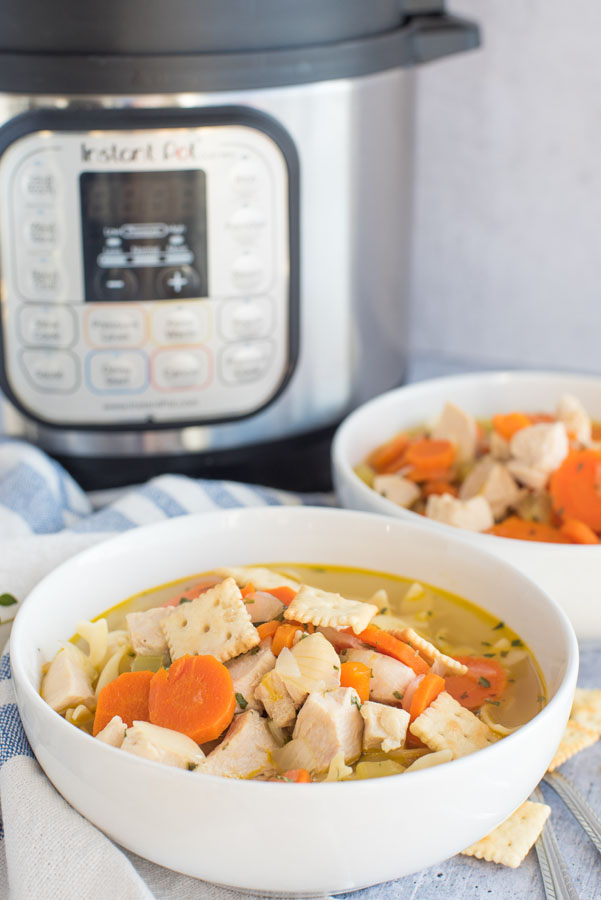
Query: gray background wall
(507, 252)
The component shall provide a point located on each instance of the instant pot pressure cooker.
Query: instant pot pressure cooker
(204, 233)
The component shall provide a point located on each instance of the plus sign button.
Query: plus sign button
(177, 281)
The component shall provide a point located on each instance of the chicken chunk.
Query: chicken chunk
(247, 671)
(460, 428)
(385, 727)
(330, 723)
(397, 489)
(277, 700)
(145, 632)
(245, 751)
(527, 475)
(499, 447)
(491, 480)
(389, 677)
(66, 684)
(262, 607)
(113, 733)
(574, 416)
(162, 745)
(474, 514)
(543, 446)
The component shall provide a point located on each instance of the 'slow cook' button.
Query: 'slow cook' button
(47, 326)
(111, 326)
(53, 371)
(174, 370)
(117, 372)
(180, 324)
(243, 363)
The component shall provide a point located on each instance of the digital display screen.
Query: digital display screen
(144, 235)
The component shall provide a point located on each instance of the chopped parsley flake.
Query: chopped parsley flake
(185, 600)
(541, 699)
(398, 695)
(489, 655)
(384, 610)
(517, 643)
(494, 702)
(253, 650)
(337, 668)
(486, 644)
(504, 653)
(463, 696)
(7, 600)
(246, 602)
(498, 626)
(483, 682)
(356, 701)
(191, 766)
(241, 701)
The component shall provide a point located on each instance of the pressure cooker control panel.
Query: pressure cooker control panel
(147, 273)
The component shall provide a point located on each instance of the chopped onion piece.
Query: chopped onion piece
(96, 635)
(338, 769)
(371, 769)
(495, 726)
(430, 759)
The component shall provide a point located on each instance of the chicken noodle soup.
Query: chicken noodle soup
(527, 475)
(295, 673)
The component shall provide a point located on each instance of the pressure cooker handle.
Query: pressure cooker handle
(434, 32)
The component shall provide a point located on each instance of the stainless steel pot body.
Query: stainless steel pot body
(354, 140)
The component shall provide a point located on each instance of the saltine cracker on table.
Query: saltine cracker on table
(510, 842)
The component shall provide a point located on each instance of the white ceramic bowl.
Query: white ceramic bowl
(270, 837)
(571, 574)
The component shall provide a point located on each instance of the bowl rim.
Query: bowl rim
(341, 463)
(19, 645)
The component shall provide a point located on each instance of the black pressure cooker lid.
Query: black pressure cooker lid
(112, 46)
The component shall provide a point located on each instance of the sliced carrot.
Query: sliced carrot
(194, 696)
(523, 530)
(268, 629)
(439, 487)
(430, 453)
(385, 453)
(248, 589)
(578, 532)
(385, 643)
(486, 679)
(575, 488)
(426, 692)
(126, 696)
(356, 675)
(596, 431)
(193, 592)
(284, 637)
(294, 776)
(418, 474)
(284, 594)
(507, 425)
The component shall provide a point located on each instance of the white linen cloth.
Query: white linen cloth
(47, 850)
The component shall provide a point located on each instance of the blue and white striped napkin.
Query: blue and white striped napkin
(47, 850)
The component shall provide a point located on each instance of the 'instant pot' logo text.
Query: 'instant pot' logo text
(171, 150)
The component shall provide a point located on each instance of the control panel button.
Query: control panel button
(39, 183)
(247, 271)
(47, 326)
(117, 372)
(244, 319)
(43, 280)
(177, 281)
(54, 371)
(245, 176)
(175, 324)
(116, 284)
(243, 363)
(41, 232)
(246, 224)
(115, 326)
(176, 369)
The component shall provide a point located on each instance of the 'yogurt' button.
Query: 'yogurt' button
(180, 325)
(47, 326)
(242, 363)
(117, 372)
(116, 326)
(176, 369)
(247, 271)
(243, 319)
(54, 371)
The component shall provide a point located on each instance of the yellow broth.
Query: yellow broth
(455, 625)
